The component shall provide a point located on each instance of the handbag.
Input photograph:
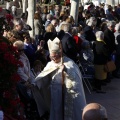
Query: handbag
(110, 66)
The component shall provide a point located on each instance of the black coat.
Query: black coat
(109, 39)
(101, 53)
(69, 46)
(61, 34)
(89, 34)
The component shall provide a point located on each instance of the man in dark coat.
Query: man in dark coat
(68, 43)
(101, 54)
(89, 32)
(109, 37)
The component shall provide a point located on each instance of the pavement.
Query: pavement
(110, 100)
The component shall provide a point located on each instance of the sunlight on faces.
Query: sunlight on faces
(20, 46)
(56, 57)
(18, 27)
(55, 50)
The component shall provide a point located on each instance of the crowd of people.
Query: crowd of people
(51, 82)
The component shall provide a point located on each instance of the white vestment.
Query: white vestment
(49, 81)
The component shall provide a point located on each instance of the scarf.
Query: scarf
(99, 40)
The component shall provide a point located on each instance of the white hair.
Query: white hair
(91, 21)
(99, 35)
(110, 23)
(53, 21)
(19, 44)
(49, 16)
(117, 27)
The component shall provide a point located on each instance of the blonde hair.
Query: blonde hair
(69, 20)
(12, 36)
(62, 13)
(50, 28)
(62, 27)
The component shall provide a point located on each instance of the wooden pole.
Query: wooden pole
(62, 80)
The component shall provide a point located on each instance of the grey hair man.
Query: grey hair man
(48, 21)
(109, 37)
(100, 35)
(91, 21)
(111, 25)
(68, 43)
(90, 29)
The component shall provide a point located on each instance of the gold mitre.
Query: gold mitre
(54, 45)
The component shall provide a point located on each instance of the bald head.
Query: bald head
(94, 111)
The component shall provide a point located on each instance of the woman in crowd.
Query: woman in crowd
(101, 54)
(38, 27)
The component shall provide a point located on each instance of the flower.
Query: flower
(9, 63)
(15, 77)
(1, 9)
(3, 47)
(70, 85)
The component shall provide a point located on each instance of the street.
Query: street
(110, 100)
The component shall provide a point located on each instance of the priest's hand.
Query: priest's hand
(62, 67)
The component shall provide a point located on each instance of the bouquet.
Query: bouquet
(9, 63)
